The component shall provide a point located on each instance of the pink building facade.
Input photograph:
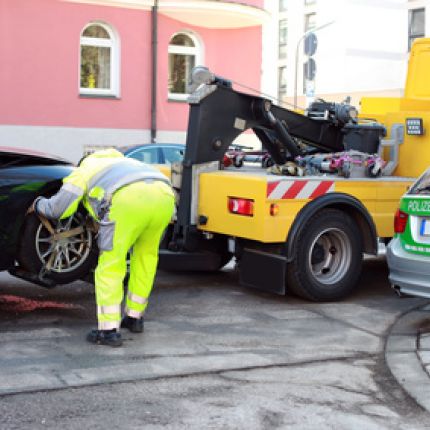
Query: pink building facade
(76, 74)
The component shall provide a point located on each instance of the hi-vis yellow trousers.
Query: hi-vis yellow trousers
(137, 218)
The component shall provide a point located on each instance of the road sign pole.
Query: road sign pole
(297, 55)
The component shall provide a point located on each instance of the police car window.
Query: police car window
(172, 155)
(422, 186)
(146, 155)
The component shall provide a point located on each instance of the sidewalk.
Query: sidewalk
(407, 353)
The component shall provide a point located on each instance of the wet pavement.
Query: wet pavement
(214, 355)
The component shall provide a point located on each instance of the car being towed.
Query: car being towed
(26, 242)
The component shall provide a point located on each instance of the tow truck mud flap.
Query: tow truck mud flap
(263, 271)
(192, 261)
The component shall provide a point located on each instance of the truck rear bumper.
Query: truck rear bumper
(257, 269)
(204, 261)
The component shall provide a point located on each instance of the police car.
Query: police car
(408, 254)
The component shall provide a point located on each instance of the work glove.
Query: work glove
(33, 206)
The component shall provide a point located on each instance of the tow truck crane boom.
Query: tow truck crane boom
(219, 114)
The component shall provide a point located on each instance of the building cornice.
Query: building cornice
(201, 13)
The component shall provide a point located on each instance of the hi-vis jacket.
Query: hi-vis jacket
(94, 182)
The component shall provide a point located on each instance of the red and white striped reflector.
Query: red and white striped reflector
(240, 206)
(305, 189)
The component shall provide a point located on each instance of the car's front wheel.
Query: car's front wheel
(68, 249)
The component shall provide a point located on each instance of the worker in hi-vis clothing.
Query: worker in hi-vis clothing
(133, 204)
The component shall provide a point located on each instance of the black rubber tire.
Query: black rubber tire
(371, 174)
(29, 260)
(225, 259)
(238, 162)
(300, 278)
(267, 162)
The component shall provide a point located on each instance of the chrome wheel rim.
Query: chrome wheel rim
(71, 252)
(330, 256)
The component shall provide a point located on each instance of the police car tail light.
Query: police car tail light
(400, 220)
(241, 206)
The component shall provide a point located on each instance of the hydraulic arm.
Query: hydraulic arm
(219, 114)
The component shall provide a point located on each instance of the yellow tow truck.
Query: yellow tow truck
(304, 231)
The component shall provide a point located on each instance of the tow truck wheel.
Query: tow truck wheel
(71, 258)
(328, 257)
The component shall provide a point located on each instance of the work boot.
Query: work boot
(105, 337)
(135, 325)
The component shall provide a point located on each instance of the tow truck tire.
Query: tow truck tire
(328, 257)
(76, 262)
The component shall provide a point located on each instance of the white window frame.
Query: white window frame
(113, 44)
(195, 50)
(282, 89)
(283, 28)
(413, 36)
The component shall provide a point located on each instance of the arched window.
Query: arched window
(99, 66)
(184, 54)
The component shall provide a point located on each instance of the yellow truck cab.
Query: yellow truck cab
(304, 230)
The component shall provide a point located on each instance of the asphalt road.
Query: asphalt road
(213, 355)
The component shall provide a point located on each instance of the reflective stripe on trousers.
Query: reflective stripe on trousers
(109, 317)
(135, 305)
(132, 313)
(136, 299)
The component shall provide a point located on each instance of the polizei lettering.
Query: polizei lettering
(419, 206)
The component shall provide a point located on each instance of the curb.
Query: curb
(402, 357)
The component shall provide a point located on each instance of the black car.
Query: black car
(26, 243)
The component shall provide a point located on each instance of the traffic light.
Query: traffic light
(310, 44)
(310, 68)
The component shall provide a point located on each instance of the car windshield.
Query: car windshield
(422, 185)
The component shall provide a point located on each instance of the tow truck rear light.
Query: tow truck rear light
(400, 220)
(241, 206)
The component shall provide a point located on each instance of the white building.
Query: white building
(362, 47)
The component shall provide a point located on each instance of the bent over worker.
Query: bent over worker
(133, 204)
